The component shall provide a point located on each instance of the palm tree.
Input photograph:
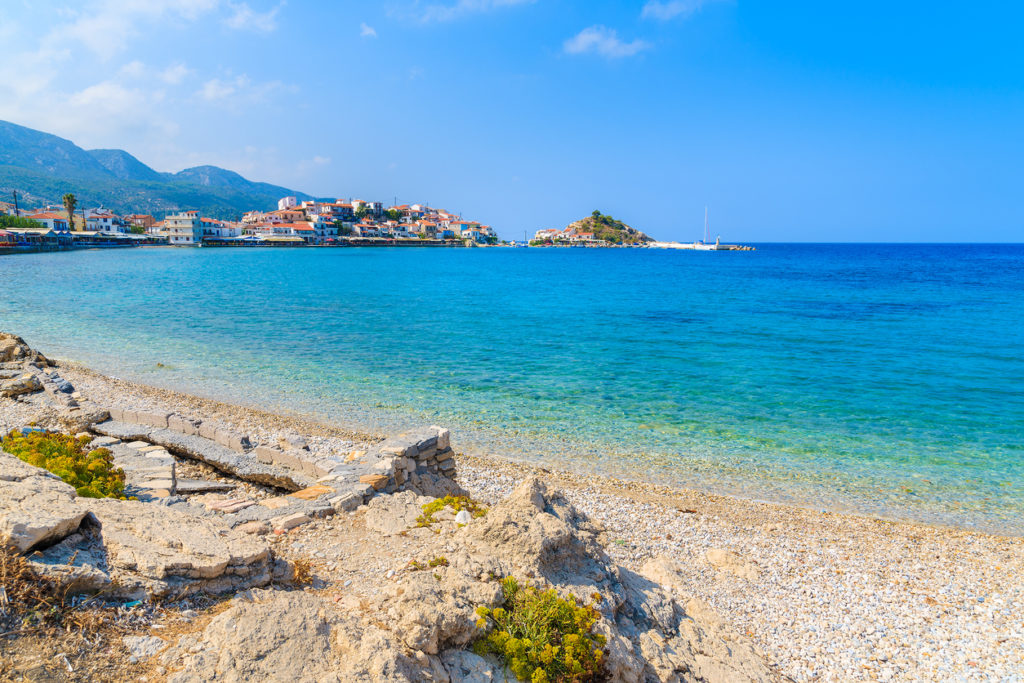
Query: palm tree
(69, 206)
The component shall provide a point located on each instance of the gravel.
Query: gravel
(837, 597)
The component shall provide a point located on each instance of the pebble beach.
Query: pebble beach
(827, 596)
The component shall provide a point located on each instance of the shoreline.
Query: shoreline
(737, 490)
(828, 596)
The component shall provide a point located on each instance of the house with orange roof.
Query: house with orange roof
(53, 221)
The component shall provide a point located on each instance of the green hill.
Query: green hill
(610, 230)
(42, 167)
(124, 166)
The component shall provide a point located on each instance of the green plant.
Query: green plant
(91, 473)
(541, 637)
(439, 562)
(456, 503)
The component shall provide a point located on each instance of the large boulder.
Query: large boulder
(36, 508)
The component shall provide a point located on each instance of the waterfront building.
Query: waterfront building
(52, 221)
(184, 229)
(287, 203)
(139, 220)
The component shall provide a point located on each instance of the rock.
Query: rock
(273, 636)
(24, 384)
(289, 521)
(36, 508)
(467, 667)
(143, 647)
(293, 441)
(14, 349)
(395, 513)
(728, 561)
(146, 550)
(226, 460)
(311, 493)
(377, 481)
(463, 517)
(258, 528)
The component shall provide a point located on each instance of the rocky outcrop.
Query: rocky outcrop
(125, 548)
(36, 508)
(139, 550)
(13, 349)
(262, 636)
(424, 622)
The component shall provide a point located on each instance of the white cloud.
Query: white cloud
(175, 74)
(603, 41)
(462, 7)
(240, 90)
(105, 26)
(664, 11)
(245, 18)
(135, 69)
(367, 31)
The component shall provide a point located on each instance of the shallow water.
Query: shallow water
(884, 379)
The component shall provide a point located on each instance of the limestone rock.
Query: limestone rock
(377, 481)
(145, 550)
(36, 508)
(731, 562)
(23, 384)
(14, 349)
(395, 513)
(279, 636)
(142, 647)
(467, 667)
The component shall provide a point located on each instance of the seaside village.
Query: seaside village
(293, 223)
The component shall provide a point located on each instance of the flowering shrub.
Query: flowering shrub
(541, 637)
(92, 473)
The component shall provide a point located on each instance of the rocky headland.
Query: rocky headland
(255, 546)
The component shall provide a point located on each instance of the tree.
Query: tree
(137, 230)
(362, 212)
(596, 213)
(393, 214)
(343, 230)
(69, 205)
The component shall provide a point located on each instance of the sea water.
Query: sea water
(883, 379)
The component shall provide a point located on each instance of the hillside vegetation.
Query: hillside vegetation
(42, 167)
(610, 229)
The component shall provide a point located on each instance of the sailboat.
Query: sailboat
(704, 245)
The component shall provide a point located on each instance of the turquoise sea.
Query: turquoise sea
(885, 379)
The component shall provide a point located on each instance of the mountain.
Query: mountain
(609, 229)
(45, 153)
(124, 166)
(42, 167)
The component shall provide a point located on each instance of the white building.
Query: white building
(287, 203)
(101, 220)
(184, 229)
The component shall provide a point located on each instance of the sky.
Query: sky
(791, 121)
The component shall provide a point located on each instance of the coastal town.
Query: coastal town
(352, 222)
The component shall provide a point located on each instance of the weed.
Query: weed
(456, 503)
(439, 562)
(91, 473)
(302, 572)
(541, 637)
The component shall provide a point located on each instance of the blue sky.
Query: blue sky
(803, 121)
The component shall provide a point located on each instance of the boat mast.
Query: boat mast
(707, 235)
